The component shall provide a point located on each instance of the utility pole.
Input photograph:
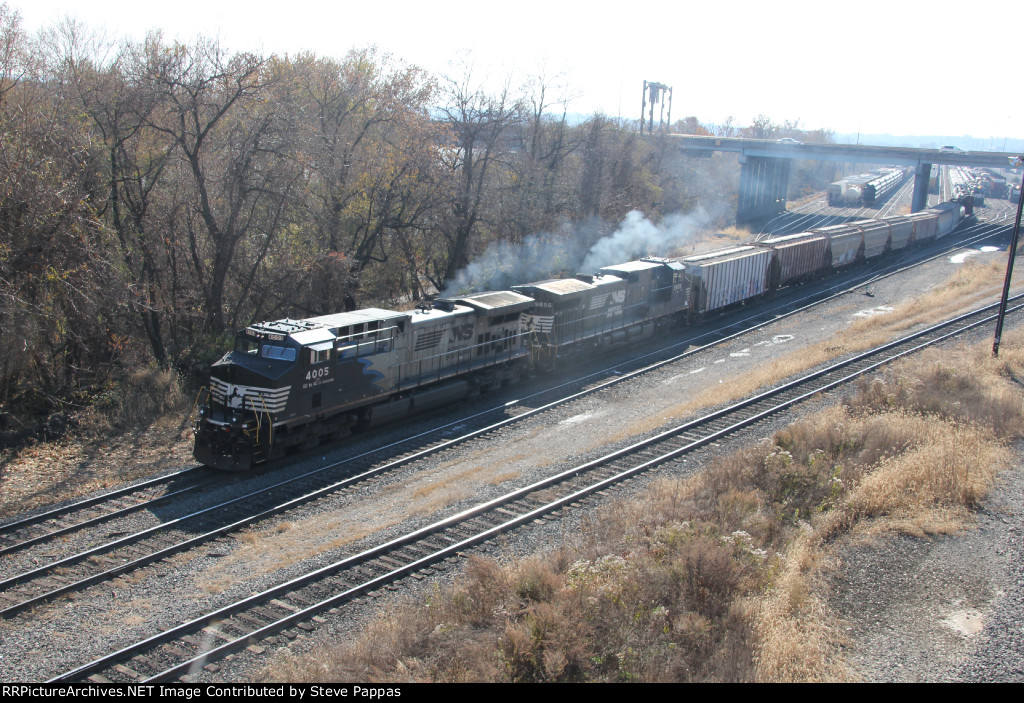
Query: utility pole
(1017, 163)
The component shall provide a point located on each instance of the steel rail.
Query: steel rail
(27, 520)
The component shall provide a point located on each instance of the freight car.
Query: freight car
(962, 183)
(885, 183)
(294, 383)
(797, 258)
(867, 188)
(848, 190)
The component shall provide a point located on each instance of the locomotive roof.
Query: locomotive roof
(509, 301)
(631, 266)
(317, 335)
(355, 317)
(559, 286)
(601, 279)
(324, 327)
(671, 263)
(424, 314)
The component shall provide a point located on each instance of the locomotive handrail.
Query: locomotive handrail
(256, 415)
(195, 404)
(489, 357)
(270, 422)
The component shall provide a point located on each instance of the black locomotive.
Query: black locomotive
(295, 383)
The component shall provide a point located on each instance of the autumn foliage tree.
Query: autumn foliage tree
(155, 196)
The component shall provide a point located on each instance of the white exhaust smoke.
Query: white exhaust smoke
(637, 237)
(572, 250)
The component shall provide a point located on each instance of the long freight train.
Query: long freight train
(295, 383)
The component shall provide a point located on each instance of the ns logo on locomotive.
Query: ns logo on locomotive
(295, 383)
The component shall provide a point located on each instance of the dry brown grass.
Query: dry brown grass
(717, 577)
(913, 453)
(971, 286)
(97, 457)
(145, 395)
(504, 477)
(732, 234)
(795, 629)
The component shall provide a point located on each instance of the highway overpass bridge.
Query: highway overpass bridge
(764, 176)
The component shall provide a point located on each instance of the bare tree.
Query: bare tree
(544, 187)
(58, 290)
(479, 122)
(761, 128)
(14, 53)
(111, 87)
(235, 148)
(374, 174)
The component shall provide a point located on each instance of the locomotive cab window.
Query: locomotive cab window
(247, 345)
(320, 353)
(277, 351)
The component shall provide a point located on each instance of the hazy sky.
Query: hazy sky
(846, 71)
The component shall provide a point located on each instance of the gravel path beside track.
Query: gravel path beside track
(940, 608)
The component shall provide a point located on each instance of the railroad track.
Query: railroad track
(818, 213)
(37, 528)
(183, 649)
(130, 552)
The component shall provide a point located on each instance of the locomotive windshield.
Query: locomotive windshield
(278, 351)
(265, 349)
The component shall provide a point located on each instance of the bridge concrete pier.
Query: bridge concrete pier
(764, 183)
(922, 174)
